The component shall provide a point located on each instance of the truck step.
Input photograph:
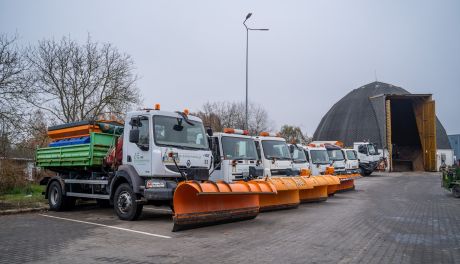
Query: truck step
(86, 181)
(88, 195)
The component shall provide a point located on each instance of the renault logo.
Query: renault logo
(188, 163)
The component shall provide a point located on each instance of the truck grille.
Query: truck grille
(182, 168)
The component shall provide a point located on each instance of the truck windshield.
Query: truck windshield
(372, 149)
(351, 155)
(298, 155)
(319, 157)
(335, 154)
(275, 149)
(239, 148)
(176, 132)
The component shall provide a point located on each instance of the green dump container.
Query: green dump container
(82, 155)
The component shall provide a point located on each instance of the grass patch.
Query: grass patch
(28, 196)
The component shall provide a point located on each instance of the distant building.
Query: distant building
(26, 164)
(403, 125)
(455, 144)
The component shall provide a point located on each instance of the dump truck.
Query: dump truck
(154, 158)
(368, 156)
(451, 180)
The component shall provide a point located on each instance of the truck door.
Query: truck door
(139, 154)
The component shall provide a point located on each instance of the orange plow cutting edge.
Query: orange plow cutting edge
(287, 193)
(346, 183)
(207, 203)
(355, 176)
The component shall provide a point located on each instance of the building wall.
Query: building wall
(447, 154)
(455, 144)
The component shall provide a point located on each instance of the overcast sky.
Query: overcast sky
(190, 52)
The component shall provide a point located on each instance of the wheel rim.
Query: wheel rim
(124, 202)
(54, 195)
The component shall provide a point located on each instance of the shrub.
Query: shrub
(12, 177)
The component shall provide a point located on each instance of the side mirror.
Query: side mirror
(291, 148)
(135, 122)
(134, 136)
(209, 132)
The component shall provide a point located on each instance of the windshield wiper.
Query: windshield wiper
(185, 117)
(283, 158)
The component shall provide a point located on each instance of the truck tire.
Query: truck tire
(456, 191)
(124, 203)
(57, 200)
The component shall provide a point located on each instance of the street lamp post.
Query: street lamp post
(247, 61)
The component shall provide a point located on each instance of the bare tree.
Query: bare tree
(294, 134)
(13, 89)
(74, 82)
(219, 115)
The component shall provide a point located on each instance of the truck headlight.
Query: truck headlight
(155, 184)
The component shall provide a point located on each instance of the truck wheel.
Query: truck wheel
(124, 203)
(456, 191)
(56, 200)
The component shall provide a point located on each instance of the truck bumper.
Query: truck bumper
(161, 194)
(369, 166)
(353, 171)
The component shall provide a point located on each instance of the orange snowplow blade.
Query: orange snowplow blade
(319, 191)
(347, 183)
(355, 176)
(206, 203)
(287, 193)
(333, 183)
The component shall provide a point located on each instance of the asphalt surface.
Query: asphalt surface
(390, 218)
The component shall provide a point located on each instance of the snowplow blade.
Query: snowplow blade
(319, 191)
(333, 184)
(206, 203)
(346, 184)
(355, 176)
(287, 193)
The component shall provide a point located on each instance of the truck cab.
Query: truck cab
(160, 144)
(352, 163)
(274, 155)
(235, 156)
(368, 156)
(318, 158)
(299, 157)
(337, 158)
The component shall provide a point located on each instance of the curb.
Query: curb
(23, 210)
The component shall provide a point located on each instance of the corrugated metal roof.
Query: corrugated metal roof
(360, 115)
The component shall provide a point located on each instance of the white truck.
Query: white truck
(337, 158)
(318, 158)
(235, 156)
(368, 156)
(299, 158)
(274, 155)
(157, 150)
(351, 159)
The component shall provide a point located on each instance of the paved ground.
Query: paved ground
(389, 219)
